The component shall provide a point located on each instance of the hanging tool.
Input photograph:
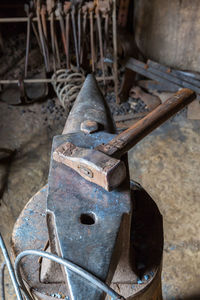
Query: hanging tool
(62, 27)
(29, 15)
(91, 9)
(79, 27)
(67, 7)
(73, 13)
(100, 38)
(42, 39)
(84, 40)
(104, 7)
(44, 24)
(54, 42)
(52, 33)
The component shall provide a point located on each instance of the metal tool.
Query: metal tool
(62, 27)
(29, 15)
(101, 35)
(42, 39)
(67, 6)
(100, 38)
(43, 12)
(91, 9)
(73, 12)
(84, 40)
(79, 28)
(54, 42)
(101, 165)
(104, 7)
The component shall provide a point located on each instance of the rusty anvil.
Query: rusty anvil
(88, 198)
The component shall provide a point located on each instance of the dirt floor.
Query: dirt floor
(166, 163)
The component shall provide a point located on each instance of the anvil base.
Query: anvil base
(142, 283)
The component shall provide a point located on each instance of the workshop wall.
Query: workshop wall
(168, 32)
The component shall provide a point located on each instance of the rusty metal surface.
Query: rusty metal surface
(30, 232)
(87, 220)
(33, 217)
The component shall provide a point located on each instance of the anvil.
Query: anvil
(89, 202)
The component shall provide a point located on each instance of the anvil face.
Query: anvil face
(87, 219)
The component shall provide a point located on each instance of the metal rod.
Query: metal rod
(74, 34)
(43, 44)
(22, 19)
(2, 281)
(156, 74)
(180, 78)
(10, 269)
(132, 64)
(27, 45)
(115, 72)
(71, 266)
(46, 80)
(100, 41)
(92, 38)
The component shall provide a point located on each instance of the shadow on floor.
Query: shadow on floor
(6, 159)
(192, 297)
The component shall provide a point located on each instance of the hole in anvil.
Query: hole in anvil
(87, 219)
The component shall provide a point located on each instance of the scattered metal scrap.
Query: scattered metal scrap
(151, 101)
(164, 75)
(167, 79)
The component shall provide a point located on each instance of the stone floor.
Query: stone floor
(166, 163)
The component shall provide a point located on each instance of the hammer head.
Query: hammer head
(92, 164)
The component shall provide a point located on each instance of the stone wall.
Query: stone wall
(168, 31)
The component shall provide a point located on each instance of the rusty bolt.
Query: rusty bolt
(89, 126)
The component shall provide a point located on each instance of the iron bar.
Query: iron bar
(10, 269)
(45, 80)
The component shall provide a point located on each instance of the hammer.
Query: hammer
(103, 165)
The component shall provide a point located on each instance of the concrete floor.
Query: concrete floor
(166, 163)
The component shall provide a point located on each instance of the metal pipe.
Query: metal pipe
(76, 269)
(45, 80)
(21, 19)
(10, 269)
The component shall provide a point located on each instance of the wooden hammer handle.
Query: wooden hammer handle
(123, 142)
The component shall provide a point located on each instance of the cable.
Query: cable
(10, 269)
(71, 266)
